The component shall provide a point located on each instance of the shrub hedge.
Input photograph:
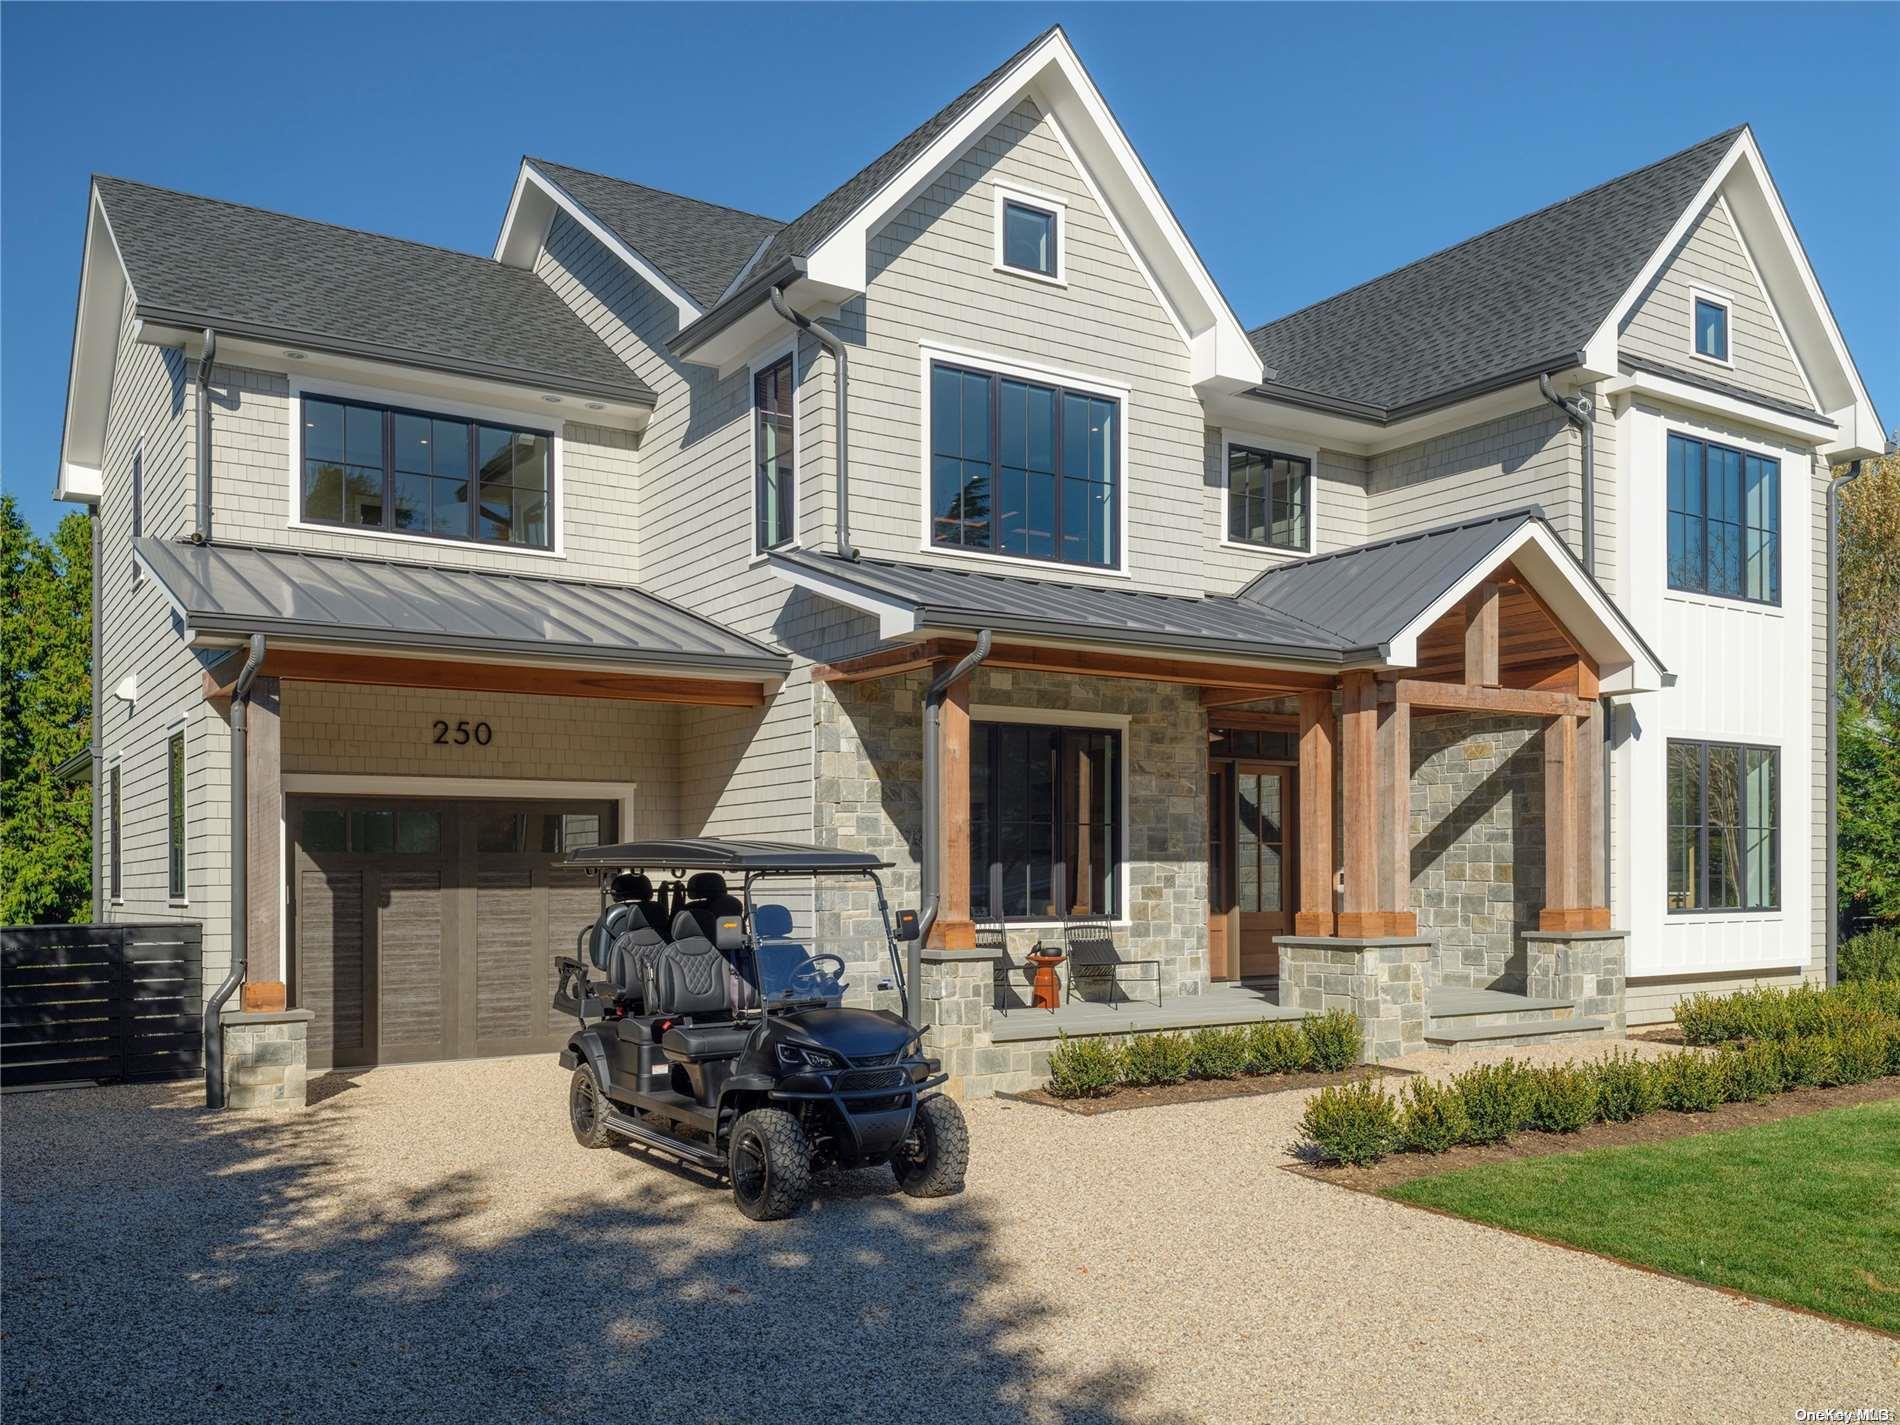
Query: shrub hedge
(1353, 1123)
(1089, 1068)
(1871, 955)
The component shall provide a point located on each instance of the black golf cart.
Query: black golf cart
(707, 1033)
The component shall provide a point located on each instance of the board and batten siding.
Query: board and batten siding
(1712, 258)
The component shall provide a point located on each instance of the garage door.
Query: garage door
(428, 929)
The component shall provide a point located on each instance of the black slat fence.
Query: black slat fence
(100, 1003)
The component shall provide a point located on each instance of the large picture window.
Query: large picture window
(1724, 826)
(772, 454)
(175, 813)
(1045, 821)
(1024, 469)
(1724, 521)
(1267, 495)
(409, 472)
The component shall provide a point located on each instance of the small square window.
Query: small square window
(1029, 238)
(1711, 329)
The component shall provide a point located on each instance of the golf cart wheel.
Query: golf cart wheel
(931, 1161)
(770, 1163)
(587, 1110)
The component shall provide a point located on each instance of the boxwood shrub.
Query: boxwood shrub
(1871, 955)
(1626, 1087)
(1155, 1059)
(1276, 1047)
(1495, 1098)
(1217, 1053)
(1691, 1083)
(1432, 1117)
(1333, 1040)
(1353, 1123)
(1559, 1098)
(1084, 1068)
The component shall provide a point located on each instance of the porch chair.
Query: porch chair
(1011, 990)
(1089, 943)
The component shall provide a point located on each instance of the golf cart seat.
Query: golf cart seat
(694, 977)
(629, 892)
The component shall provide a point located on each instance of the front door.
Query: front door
(1250, 872)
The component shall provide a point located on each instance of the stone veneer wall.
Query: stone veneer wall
(1478, 844)
(266, 1059)
(868, 740)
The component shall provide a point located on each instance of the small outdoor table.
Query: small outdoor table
(1047, 993)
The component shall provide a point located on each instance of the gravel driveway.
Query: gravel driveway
(429, 1243)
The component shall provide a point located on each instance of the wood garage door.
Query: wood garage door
(428, 929)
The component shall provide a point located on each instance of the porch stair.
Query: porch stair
(1493, 1019)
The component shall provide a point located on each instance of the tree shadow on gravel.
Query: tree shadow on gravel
(163, 1263)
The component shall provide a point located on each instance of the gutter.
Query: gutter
(928, 895)
(240, 866)
(201, 525)
(96, 774)
(834, 344)
(732, 309)
(1368, 413)
(1833, 922)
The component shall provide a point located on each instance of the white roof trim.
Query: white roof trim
(1803, 429)
(531, 208)
(1588, 616)
(1789, 285)
(103, 283)
(1051, 73)
(894, 620)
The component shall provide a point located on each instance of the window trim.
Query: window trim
(1774, 907)
(765, 361)
(513, 417)
(1714, 298)
(990, 363)
(114, 790)
(177, 839)
(1078, 721)
(1712, 597)
(1270, 446)
(1036, 201)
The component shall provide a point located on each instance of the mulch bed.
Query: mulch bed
(1661, 1034)
(1200, 1090)
(1656, 1127)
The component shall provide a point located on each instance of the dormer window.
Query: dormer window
(1029, 235)
(1711, 328)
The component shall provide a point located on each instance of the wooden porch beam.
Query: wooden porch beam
(1224, 682)
(1516, 702)
(307, 666)
(888, 662)
(1481, 635)
(1315, 794)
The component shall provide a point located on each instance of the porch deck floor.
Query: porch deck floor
(1444, 1001)
(1242, 1003)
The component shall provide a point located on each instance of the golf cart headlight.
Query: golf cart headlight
(797, 1056)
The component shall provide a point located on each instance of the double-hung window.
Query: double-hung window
(374, 467)
(1045, 821)
(1022, 468)
(773, 493)
(1724, 826)
(1268, 497)
(1724, 521)
(174, 813)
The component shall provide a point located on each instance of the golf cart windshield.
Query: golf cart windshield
(789, 975)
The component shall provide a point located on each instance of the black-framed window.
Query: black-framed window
(175, 813)
(1724, 521)
(1021, 468)
(1029, 238)
(1711, 328)
(138, 492)
(414, 472)
(1724, 826)
(113, 873)
(1268, 498)
(773, 495)
(1045, 821)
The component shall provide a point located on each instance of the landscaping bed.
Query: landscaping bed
(1200, 1090)
(1102, 1073)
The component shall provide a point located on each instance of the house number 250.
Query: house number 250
(462, 733)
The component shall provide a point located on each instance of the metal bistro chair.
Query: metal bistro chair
(1011, 992)
(1089, 943)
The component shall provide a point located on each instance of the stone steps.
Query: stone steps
(1515, 1033)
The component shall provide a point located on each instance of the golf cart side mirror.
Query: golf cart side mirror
(907, 925)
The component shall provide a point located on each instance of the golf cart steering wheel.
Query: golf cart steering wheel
(807, 977)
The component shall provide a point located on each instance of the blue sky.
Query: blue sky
(1305, 148)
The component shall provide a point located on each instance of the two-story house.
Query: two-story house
(1450, 650)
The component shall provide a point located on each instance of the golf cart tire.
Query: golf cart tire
(945, 1142)
(780, 1142)
(589, 1120)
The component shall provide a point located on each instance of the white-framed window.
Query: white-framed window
(1031, 230)
(177, 888)
(775, 451)
(1267, 493)
(1709, 325)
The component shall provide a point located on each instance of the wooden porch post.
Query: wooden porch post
(954, 930)
(1561, 852)
(1394, 833)
(264, 802)
(1315, 915)
(1481, 636)
(1359, 913)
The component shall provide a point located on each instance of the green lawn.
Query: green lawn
(1804, 1211)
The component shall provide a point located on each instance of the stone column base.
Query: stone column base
(266, 1062)
(1585, 966)
(956, 1002)
(1382, 981)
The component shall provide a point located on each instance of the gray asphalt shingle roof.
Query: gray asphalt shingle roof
(242, 589)
(700, 247)
(1526, 295)
(204, 262)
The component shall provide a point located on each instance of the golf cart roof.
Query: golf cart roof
(710, 854)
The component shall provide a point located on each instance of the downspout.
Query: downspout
(928, 895)
(1580, 413)
(240, 865)
(835, 345)
(201, 526)
(1833, 922)
(100, 871)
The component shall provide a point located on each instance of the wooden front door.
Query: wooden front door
(1250, 868)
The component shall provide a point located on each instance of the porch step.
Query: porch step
(1497, 1033)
